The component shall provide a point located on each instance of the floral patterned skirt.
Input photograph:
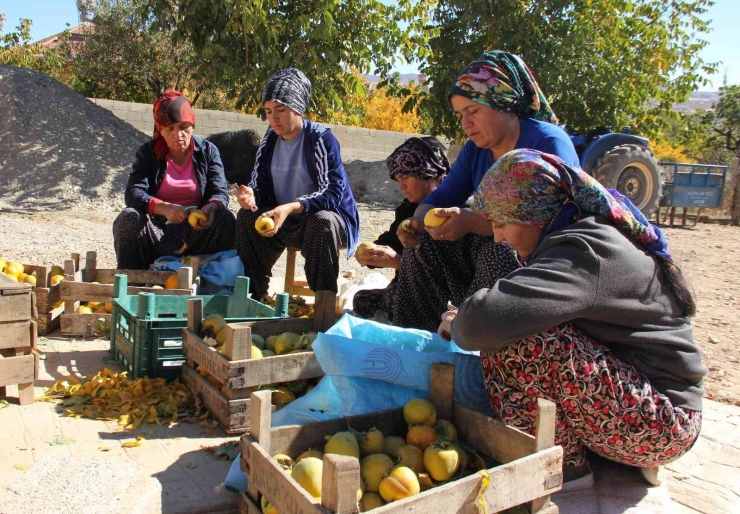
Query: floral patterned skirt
(603, 404)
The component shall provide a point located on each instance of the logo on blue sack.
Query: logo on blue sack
(382, 364)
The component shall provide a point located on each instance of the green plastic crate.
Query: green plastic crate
(146, 329)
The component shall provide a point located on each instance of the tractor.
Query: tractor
(622, 161)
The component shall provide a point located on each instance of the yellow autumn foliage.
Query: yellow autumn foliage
(666, 152)
(383, 112)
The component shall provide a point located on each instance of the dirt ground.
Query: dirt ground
(706, 254)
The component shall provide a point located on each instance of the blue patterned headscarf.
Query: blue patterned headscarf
(502, 81)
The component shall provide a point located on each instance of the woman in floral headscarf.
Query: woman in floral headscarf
(173, 171)
(501, 108)
(598, 320)
(418, 166)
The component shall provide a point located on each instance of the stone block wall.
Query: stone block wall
(356, 142)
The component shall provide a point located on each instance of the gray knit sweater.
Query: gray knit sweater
(610, 288)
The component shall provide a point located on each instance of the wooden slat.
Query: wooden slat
(490, 436)
(544, 437)
(442, 389)
(17, 370)
(14, 334)
(82, 325)
(248, 373)
(50, 321)
(232, 415)
(246, 506)
(265, 475)
(158, 278)
(15, 301)
(86, 292)
(340, 482)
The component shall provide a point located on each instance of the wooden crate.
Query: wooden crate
(18, 366)
(530, 470)
(78, 287)
(241, 375)
(46, 296)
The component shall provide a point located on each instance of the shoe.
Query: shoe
(655, 475)
(577, 478)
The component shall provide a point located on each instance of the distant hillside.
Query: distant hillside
(697, 100)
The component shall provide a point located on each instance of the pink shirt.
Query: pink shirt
(179, 186)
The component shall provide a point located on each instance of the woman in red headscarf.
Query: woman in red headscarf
(172, 172)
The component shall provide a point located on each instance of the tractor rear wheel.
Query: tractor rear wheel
(633, 171)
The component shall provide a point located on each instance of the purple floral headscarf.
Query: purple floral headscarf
(527, 187)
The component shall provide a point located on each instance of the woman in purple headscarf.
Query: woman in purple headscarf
(418, 166)
(597, 320)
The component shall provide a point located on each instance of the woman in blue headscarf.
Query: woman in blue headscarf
(598, 319)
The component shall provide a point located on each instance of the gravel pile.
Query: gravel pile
(58, 150)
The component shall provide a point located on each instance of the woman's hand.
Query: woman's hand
(278, 215)
(409, 231)
(459, 223)
(381, 256)
(175, 214)
(445, 328)
(245, 197)
(210, 209)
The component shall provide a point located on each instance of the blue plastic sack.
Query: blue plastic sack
(370, 366)
(217, 274)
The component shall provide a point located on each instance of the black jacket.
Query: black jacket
(149, 171)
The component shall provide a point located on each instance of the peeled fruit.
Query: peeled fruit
(370, 501)
(55, 279)
(445, 430)
(267, 507)
(212, 325)
(401, 483)
(197, 217)
(375, 468)
(431, 219)
(84, 309)
(14, 268)
(282, 396)
(258, 341)
(270, 343)
(256, 353)
(421, 436)
(392, 444)
(362, 247)
(56, 270)
(441, 461)
(411, 457)
(172, 282)
(264, 224)
(342, 443)
(284, 460)
(308, 473)
(425, 482)
(287, 342)
(370, 442)
(420, 412)
(310, 453)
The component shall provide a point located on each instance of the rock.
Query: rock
(713, 340)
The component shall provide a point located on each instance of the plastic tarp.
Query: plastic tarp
(218, 273)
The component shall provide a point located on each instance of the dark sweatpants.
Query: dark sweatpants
(139, 239)
(436, 272)
(319, 235)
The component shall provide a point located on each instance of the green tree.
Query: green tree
(240, 43)
(125, 57)
(16, 49)
(600, 62)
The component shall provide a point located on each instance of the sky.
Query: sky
(51, 16)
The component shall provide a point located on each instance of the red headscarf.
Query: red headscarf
(171, 107)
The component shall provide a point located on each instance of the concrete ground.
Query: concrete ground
(705, 480)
